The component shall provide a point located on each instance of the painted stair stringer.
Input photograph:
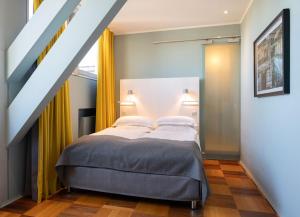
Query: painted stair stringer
(35, 36)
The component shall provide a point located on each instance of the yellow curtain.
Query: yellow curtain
(55, 131)
(105, 108)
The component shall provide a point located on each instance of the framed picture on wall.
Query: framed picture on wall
(272, 58)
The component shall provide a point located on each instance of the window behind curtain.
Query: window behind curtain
(29, 9)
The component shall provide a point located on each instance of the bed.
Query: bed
(134, 159)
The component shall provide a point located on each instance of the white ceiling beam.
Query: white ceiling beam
(80, 35)
(35, 36)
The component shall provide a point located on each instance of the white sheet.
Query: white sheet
(129, 132)
(178, 133)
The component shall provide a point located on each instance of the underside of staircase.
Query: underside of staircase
(84, 29)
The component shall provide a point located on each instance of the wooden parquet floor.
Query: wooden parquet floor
(233, 194)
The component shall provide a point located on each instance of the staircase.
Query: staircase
(81, 33)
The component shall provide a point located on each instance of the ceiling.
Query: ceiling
(153, 15)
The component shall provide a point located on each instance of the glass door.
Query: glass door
(221, 102)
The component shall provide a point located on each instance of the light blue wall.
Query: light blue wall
(12, 19)
(83, 95)
(270, 126)
(137, 57)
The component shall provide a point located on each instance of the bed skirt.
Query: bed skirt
(153, 186)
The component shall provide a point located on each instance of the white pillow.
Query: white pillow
(176, 121)
(134, 121)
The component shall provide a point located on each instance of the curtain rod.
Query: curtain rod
(235, 38)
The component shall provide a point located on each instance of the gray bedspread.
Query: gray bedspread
(144, 155)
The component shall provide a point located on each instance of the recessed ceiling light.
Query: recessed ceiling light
(225, 12)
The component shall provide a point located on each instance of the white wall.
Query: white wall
(157, 97)
(270, 126)
(12, 19)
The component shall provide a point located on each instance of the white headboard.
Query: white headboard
(158, 97)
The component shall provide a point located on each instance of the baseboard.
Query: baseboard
(260, 188)
(5, 203)
(222, 156)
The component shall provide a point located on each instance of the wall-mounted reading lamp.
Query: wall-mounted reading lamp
(130, 99)
(188, 99)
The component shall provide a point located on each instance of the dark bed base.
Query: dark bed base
(152, 186)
